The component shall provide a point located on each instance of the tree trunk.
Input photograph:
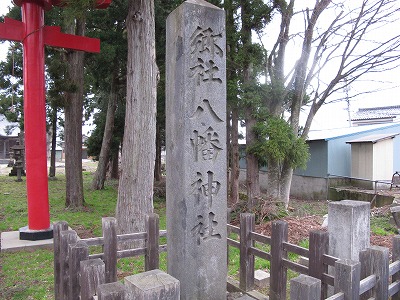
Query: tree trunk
(234, 180)
(286, 182)
(252, 175)
(113, 166)
(279, 182)
(52, 169)
(252, 172)
(73, 125)
(274, 180)
(104, 158)
(157, 167)
(135, 191)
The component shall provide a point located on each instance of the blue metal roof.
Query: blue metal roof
(336, 133)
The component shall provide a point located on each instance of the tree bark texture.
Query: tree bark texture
(286, 182)
(104, 157)
(234, 180)
(252, 172)
(113, 166)
(135, 191)
(158, 163)
(279, 181)
(252, 175)
(73, 124)
(52, 169)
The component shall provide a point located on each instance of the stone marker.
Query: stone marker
(349, 228)
(154, 284)
(305, 287)
(261, 278)
(196, 149)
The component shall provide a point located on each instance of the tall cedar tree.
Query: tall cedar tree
(135, 191)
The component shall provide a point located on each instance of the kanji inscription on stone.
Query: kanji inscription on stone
(196, 149)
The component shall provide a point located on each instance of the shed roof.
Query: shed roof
(374, 138)
(330, 134)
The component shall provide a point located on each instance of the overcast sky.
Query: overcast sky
(331, 115)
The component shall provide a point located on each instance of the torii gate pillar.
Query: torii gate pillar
(34, 36)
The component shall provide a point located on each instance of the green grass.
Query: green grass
(29, 275)
(381, 226)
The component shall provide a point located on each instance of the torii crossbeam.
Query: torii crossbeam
(34, 35)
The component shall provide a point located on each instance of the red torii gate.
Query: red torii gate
(35, 35)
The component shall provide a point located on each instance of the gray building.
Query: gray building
(6, 142)
(330, 152)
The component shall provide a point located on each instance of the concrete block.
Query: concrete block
(261, 278)
(10, 242)
(305, 287)
(349, 228)
(150, 285)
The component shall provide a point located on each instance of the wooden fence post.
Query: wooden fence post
(396, 256)
(77, 253)
(279, 234)
(305, 287)
(347, 278)
(58, 227)
(109, 226)
(318, 246)
(152, 257)
(247, 224)
(111, 291)
(375, 260)
(92, 275)
(67, 237)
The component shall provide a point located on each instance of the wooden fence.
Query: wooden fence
(78, 274)
(368, 278)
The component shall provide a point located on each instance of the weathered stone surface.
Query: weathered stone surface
(111, 291)
(196, 149)
(261, 278)
(305, 287)
(349, 228)
(150, 285)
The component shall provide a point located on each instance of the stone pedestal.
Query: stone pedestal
(349, 228)
(150, 285)
(196, 149)
(305, 287)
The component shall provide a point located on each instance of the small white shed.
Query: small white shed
(372, 157)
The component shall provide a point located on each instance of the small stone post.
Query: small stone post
(112, 291)
(349, 228)
(196, 149)
(154, 284)
(305, 287)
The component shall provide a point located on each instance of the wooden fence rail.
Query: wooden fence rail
(78, 274)
(319, 260)
(366, 279)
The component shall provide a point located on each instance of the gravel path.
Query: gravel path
(87, 165)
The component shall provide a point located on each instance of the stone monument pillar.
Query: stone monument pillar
(349, 228)
(196, 149)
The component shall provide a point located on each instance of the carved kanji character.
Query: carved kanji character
(205, 228)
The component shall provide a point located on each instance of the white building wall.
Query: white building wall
(383, 160)
(362, 160)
